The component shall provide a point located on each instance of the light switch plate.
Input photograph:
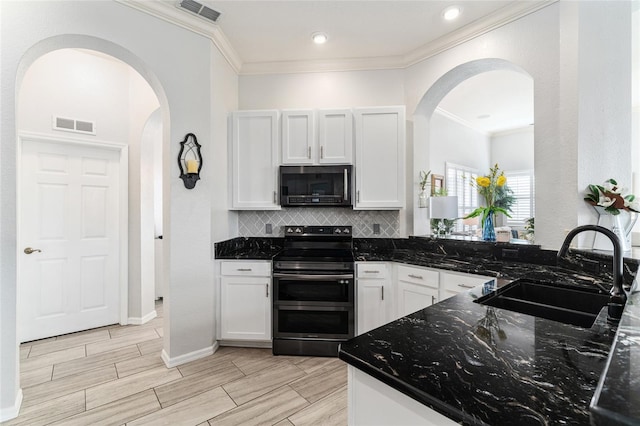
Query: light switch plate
(268, 229)
(376, 228)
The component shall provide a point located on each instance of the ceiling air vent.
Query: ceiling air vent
(200, 10)
(76, 126)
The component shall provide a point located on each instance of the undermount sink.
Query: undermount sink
(551, 301)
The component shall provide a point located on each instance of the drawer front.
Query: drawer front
(461, 282)
(372, 270)
(250, 268)
(419, 276)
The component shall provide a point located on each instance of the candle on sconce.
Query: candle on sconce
(192, 166)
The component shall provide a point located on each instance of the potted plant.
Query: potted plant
(488, 186)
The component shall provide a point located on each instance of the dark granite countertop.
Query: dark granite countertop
(483, 365)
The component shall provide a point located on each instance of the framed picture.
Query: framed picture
(437, 184)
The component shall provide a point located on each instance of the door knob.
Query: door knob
(30, 250)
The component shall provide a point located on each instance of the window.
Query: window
(458, 182)
(522, 185)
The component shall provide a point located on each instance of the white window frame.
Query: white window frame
(518, 220)
(458, 180)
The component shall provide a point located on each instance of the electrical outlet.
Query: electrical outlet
(268, 229)
(376, 228)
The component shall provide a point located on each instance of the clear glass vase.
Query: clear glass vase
(423, 199)
(488, 228)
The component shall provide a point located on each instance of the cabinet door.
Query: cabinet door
(335, 136)
(452, 283)
(380, 157)
(298, 137)
(255, 159)
(371, 306)
(413, 297)
(245, 305)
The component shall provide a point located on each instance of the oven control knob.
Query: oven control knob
(289, 230)
(298, 230)
(346, 230)
(337, 231)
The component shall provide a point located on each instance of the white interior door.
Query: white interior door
(69, 214)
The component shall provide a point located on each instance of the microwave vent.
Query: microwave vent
(199, 9)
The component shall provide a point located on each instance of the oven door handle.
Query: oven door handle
(314, 277)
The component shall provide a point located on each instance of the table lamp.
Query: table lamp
(443, 208)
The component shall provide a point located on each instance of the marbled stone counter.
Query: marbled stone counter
(248, 248)
(481, 365)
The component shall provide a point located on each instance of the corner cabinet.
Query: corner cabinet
(380, 158)
(255, 159)
(245, 300)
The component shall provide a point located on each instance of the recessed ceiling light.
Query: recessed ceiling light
(319, 38)
(451, 12)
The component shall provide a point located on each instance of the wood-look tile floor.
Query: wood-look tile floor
(114, 376)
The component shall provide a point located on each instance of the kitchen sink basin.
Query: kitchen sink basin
(551, 301)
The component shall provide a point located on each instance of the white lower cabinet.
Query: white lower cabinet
(371, 402)
(245, 300)
(452, 283)
(374, 304)
(417, 288)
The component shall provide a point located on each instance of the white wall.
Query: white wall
(513, 150)
(322, 90)
(545, 45)
(177, 64)
(453, 142)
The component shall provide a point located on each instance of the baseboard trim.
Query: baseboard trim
(142, 320)
(188, 357)
(12, 412)
(246, 344)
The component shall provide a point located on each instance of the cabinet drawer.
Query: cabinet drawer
(371, 270)
(418, 276)
(458, 282)
(255, 269)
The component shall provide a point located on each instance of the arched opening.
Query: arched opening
(88, 80)
(441, 138)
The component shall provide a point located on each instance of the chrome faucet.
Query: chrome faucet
(617, 295)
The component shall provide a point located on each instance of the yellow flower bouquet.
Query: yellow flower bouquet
(487, 187)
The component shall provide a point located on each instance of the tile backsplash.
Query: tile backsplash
(253, 223)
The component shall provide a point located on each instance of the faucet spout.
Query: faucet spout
(617, 295)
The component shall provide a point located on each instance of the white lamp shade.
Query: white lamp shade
(443, 207)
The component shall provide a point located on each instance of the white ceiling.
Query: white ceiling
(265, 36)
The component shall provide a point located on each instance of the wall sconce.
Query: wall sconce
(190, 160)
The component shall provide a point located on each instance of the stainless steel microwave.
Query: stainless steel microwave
(315, 186)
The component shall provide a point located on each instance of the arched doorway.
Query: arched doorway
(422, 123)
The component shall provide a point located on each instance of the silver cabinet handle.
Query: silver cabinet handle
(321, 152)
(267, 288)
(346, 187)
(418, 277)
(358, 195)
(371, 272)
(244, 269)
(433, 300)
(30, 250)
(309, 153)
(275, 197)
(465, 286)
(382, 290)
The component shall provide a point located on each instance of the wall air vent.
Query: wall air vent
(76, 126)
(199, 9)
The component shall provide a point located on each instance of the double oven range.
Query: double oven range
(313, 291)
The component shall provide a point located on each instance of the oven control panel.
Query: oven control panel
(292, 231)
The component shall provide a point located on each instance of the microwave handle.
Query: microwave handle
(346, 187)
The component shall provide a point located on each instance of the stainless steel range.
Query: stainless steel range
(313, 291)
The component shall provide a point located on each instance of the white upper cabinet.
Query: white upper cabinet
(329, 141)
(298, 137)
(380, 158)
(255, 159)
(335, 136)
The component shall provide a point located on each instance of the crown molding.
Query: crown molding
(168, 12)
(461, 121)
